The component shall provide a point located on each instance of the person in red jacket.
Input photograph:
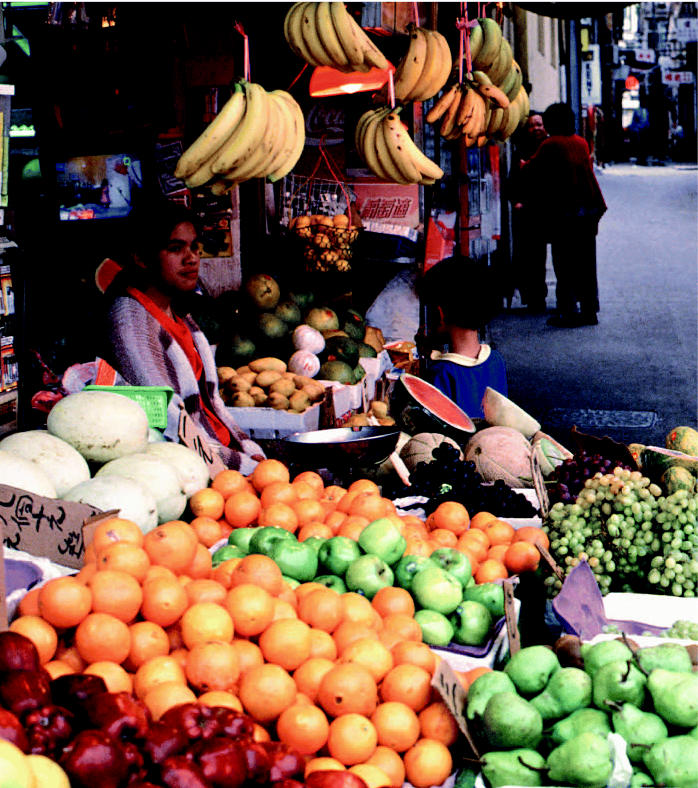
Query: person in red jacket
(567, 204)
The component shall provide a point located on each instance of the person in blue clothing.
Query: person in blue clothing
(464, 298)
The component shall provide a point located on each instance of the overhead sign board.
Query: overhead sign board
(687, 29)
(677, 77)
(645, 56)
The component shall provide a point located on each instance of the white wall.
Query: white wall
(543, 60)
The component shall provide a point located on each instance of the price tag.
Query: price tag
(510, 617)
(90, 525)
(453, 695)
(192, 437)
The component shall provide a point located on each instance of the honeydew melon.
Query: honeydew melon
(101, 425)
(500, 411)
(158, 475)
(24, 474)
(192, 470)
(132, 498)
(63, 464)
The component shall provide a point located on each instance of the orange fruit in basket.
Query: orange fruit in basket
(249, 654)
(278, 492)
(268, 471)
(437, 722)
(428, 763)
(259, 570)
(408, 684)
(167, 695)
(171, 545)
(312, 479)
(251, 608)
(64, 602)
(363, 486)
(333, 493)
(452, 516)
(115, 677)
(417, 546)
(147, 640)
(389, 762)
(305, 491)
(323, 764)
(283, 609)
(490, 570)
(397, 725)
(532, 534)
(310, 673)
(308, 510)
(41, 634)
(303, 727)
(351, 526)
(164, 669)
(473, 545)
(222, 698)
(405, 626)
(349, 631)
(348, 688)
(393, 599)
(265, 691)
(208, 502)
(521, 557)
(207, 529)
(321, 609)
(116, 593)
(242, 509)
(101, 636)
(280, 515)
(29, 603)
(314, 528)
(164, 601)
(203, 589)
(367, 504)
(322, 644)
(116, 529)
(443, 537)
(497, 552)
(212, 666)
(201, 565)
(500, 532)
(371, 654)
(286, 642)
(205, 622)
(125, 557)
(352, 738)
(228, 482)
(358, 608)
(481, 520)
(344, 503)
(412, 652)
(223, 572)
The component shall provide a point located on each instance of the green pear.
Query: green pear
(639, 728)
(674, 762)
(675, 696)
(531, 668)
(466, 778)
(619, 681)
(641, 780)
(482, 689)
(693, 732)
(513, 767)
(569, 689)
(584, 761)
(511, 722)
(602, 652)
(670, 656)
(581, 721)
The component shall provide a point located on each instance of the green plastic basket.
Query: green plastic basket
(153, 399)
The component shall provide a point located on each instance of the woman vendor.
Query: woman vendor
(154, 341)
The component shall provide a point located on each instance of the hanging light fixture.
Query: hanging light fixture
(328, 81)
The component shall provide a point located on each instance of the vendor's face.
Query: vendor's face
(179, 260)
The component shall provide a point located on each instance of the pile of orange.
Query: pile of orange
(344, 680)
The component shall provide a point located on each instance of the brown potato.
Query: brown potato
(267, 363)
(242, 400)
(238, 385)
(315, 391)
(259, 395)
(267, 377)
(282, 386)
(303, 380)
(298, 401)
(277, 401)
(249, 376)
(379, 409)
(242, 370)
(225, 373)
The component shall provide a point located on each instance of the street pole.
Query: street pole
(574, 79)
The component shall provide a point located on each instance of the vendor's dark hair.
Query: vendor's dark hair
(559, 120)
(464, 289)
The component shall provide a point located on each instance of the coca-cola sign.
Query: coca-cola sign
(324, 122)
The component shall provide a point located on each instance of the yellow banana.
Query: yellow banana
(512, 121)
(428, 82)
(443, 103)
(368, 148)
(466, 106)
(287, 133)
(446, 62)
(372, 55)
(243, 141)
(424, 164)
(287, 28)
(410, 67)
(495, 94)
(220, 187)
(472, 127)
(312, 41)
(214, 135)
(298, 136)
(495, 121)
(476, 39)
(406, 166)
(341, 21)
(294, 20)
(252, 165)
(397, 167)
(506, 84)
(201, 176)
(525, 103)
(492, 39)
(449, 119)
(328, 36)
(504, 61)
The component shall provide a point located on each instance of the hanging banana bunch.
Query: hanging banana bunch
(325, 34)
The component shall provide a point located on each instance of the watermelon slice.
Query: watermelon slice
(434, 405)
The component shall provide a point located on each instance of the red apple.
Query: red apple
(258, 761)
(334, 779)
(222, 761)
(49, 728)
(195, 720)
(17, 652)
(93, 758)
(120, 714)
(163, 741)
(24, 690)
(234, 723)
(285, 762)
(72, 690)
(287, 784)
(179, 772)
(12, 730)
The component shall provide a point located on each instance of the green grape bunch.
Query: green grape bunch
(633, 536)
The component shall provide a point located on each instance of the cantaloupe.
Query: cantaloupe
(500, 411)
(419, 448)
(101, 425)
(24, 474)
(63, 464)
(501, 453)
(159, 475)
(192, 470)
(133, 499)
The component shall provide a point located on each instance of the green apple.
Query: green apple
(226, 552)
(264, 538)
(454, 562)
(240, 537)
(437, 630)
(472, 622)
(291, 581)
(491, 595)
(337, 553)
(295, 559)
(470, 583)
(408, 566)
(383, 538)
(332, 581)
(316, 542)
(368, 574)
(435, 589)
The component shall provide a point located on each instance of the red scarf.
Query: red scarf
(179, 330)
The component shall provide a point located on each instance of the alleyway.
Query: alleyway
(634, 376)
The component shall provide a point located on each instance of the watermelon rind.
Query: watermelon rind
(407, 379)
(656, 460)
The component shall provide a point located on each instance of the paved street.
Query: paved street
(634, 376)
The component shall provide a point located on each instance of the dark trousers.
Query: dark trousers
(573, 247)
(530, 254)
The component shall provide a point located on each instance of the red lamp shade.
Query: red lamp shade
(327, 81)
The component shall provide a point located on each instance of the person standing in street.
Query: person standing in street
(568, 205)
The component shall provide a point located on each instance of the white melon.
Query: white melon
(132, 498)
(306, 337)
(158, 475)
(24, 474)
(502, 412)
(63, 464)
(303, 362)
(193, 471)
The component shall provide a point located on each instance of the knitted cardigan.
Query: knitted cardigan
(146, 355)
